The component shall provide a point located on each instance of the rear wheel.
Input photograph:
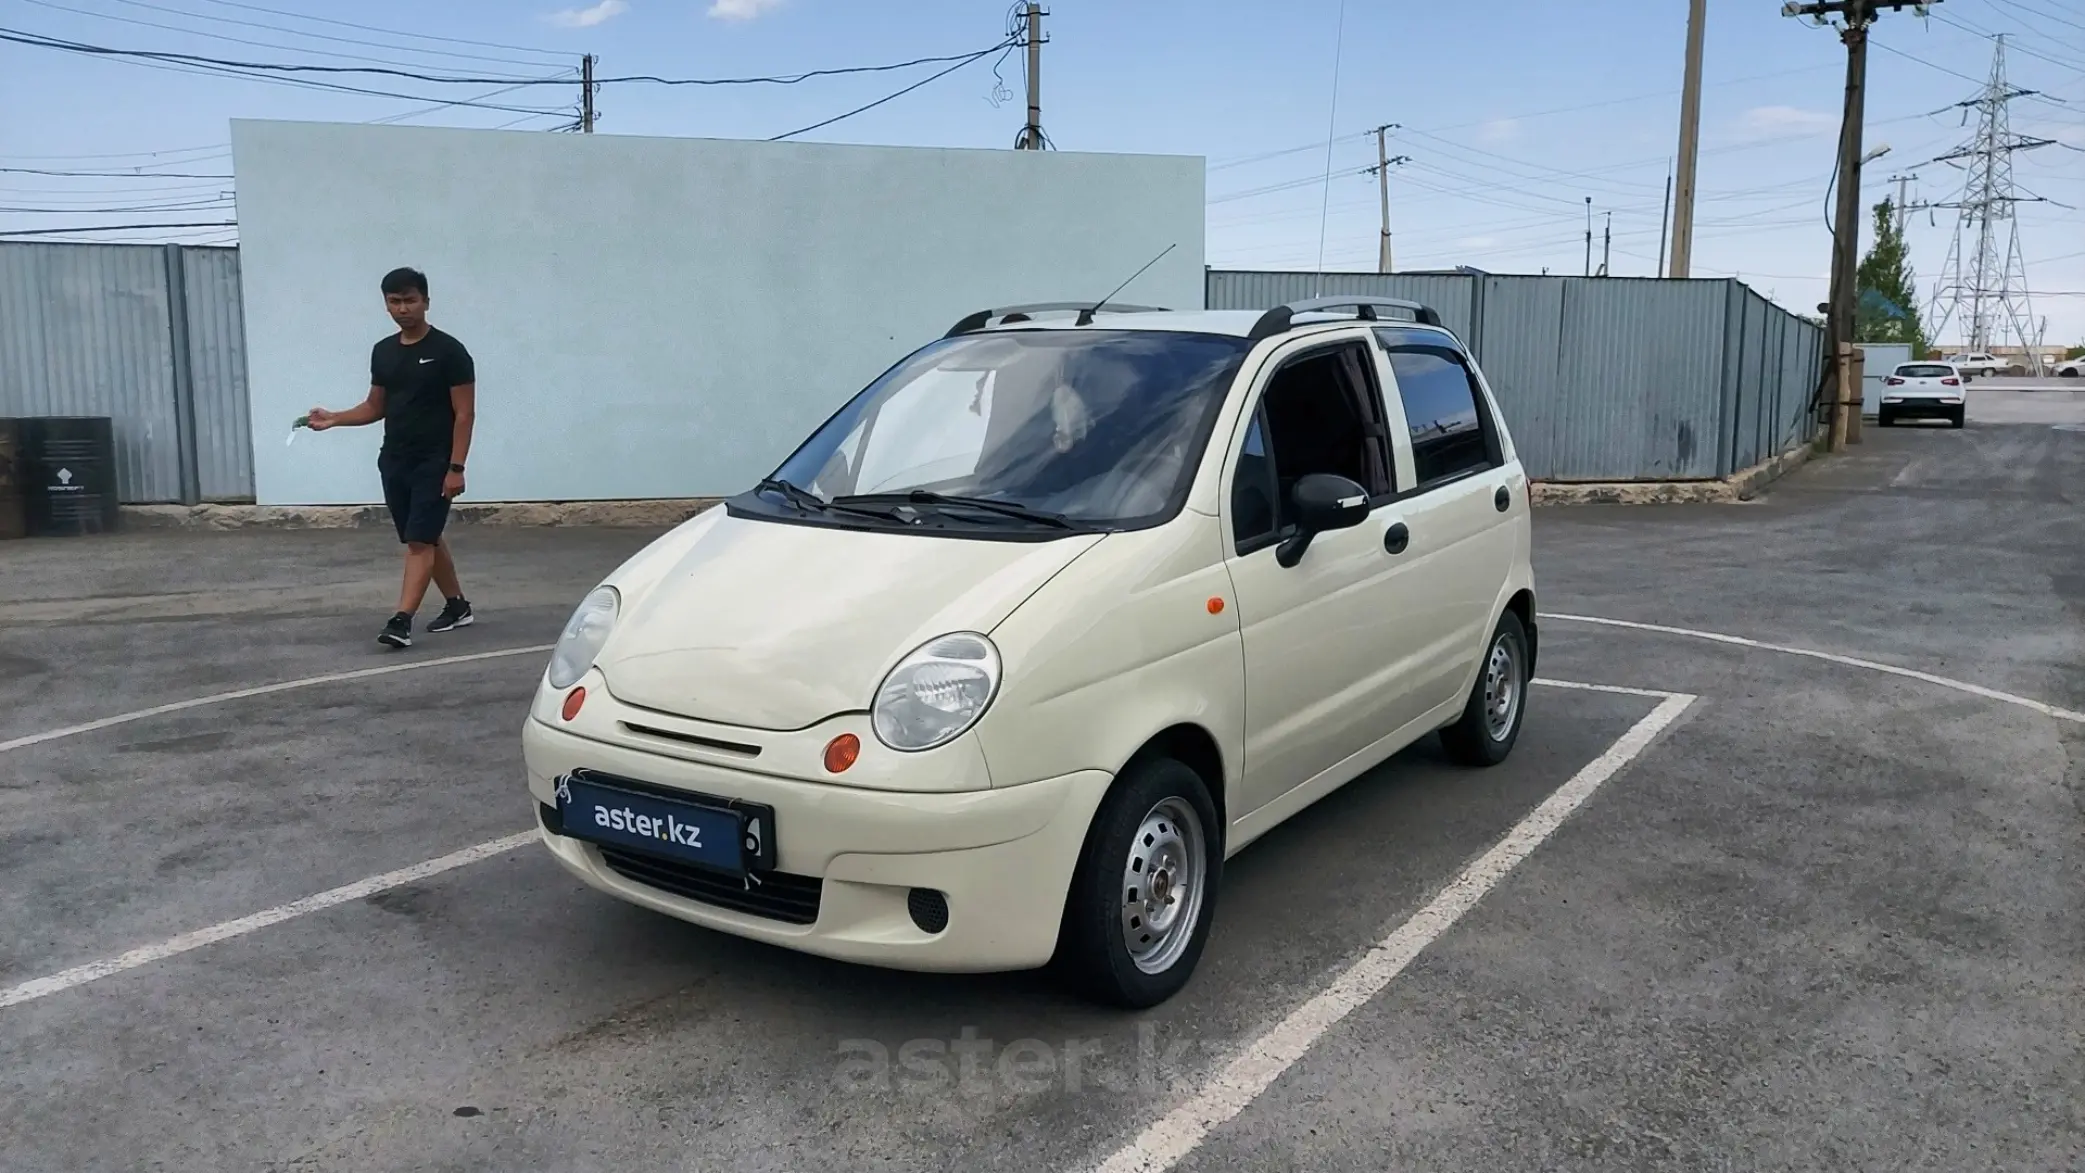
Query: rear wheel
(1960, 417)
(1490, 721)
(1884, 419)
(1142, 900)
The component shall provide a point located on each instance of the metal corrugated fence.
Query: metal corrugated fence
(1599, 378)
(1608, 378)
(148, 335)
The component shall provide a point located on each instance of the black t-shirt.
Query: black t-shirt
(419, 417)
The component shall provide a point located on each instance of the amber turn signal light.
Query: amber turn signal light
(573, 700)
(842, 752)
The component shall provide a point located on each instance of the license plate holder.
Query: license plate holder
(725, 835)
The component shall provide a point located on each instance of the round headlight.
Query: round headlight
(937, 692)
(583, 637)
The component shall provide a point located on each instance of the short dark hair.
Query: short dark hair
(405, 280)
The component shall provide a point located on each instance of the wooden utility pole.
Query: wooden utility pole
(586, 94)
(1855, 17)
(1384, 162)
(1690, 142)
(1031, 138)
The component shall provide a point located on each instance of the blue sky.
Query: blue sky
(1510, 120)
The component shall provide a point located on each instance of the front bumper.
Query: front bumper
(853, 866)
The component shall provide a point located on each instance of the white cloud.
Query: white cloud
(1499, 130)
(1787, 122)
(742, 9)
(586, 18)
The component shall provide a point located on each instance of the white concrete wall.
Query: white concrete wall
(656, 317)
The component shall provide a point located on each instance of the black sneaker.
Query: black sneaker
(455, 613)
(399, 632)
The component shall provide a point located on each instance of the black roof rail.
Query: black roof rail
(1279, 319)
(1021, 313)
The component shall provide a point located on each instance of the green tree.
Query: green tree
(1887, 310)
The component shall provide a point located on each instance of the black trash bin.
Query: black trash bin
(68, 475)
(14, 520)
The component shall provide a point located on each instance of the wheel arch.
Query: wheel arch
(1196, 748)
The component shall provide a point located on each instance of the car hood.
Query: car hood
(775, 626)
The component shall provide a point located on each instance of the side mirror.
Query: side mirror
(1323, 502)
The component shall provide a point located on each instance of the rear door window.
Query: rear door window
(1924, 371)
(1452, 435)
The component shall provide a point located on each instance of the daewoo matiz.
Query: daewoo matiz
(1016, 650)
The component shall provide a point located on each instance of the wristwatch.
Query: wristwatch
(455, 467)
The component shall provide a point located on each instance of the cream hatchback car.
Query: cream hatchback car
(1049, 621)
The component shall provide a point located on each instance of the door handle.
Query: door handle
(1396, 538)
(1502, 500)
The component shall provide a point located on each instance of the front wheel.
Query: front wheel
(1141, 902)
(1490, 721)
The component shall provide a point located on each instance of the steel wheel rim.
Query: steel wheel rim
(1501, 689)
(1163, 880)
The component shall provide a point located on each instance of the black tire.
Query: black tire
(1473, 739)
(1885, 420)
(1093, 949)
(2070, 374)
(1959, 419)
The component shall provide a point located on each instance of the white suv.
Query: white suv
(1040, 628)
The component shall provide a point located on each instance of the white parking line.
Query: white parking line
(94, 971)
(2042, 707)
(1181, 1131)
(263, 690)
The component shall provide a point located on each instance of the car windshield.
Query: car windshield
(1100, 428)
(1925, 371)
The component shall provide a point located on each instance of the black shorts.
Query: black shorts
(413, 490)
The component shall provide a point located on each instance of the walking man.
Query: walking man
(423, 385)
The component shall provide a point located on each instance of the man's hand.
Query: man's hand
(452, 485)
(319, 419)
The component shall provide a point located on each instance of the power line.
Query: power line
(2039, 14)
(110, 174)
(1989, 35)
(194, 205)
(41, 41)
(85, 228)
(209, 67)
(191, 32)
(893, 96)
(388, 32)
(232, 20)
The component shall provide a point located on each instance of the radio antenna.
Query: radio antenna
(1086, 316)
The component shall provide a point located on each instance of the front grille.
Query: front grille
(774, 895)
(730, 747)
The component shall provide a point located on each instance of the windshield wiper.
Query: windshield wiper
(802, 498)
(810, 502)
(924, 497)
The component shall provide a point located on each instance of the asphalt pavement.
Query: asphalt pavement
(1828, 919)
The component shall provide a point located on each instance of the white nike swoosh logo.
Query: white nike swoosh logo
(425, 361)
